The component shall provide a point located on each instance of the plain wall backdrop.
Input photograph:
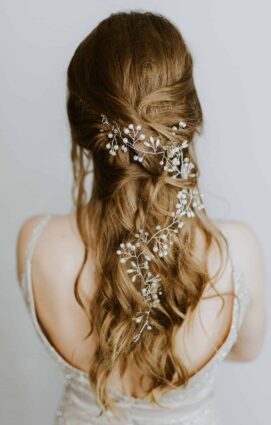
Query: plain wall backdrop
(230, 43)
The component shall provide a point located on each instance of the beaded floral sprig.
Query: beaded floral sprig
(172, 156)
(138, 258)
(142, 249)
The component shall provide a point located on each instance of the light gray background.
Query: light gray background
(230, 41)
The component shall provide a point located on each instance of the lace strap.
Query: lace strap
(240, 287)
(27, 290)
(34, 236)
(26, 278)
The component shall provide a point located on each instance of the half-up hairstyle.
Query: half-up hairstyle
(134, 68)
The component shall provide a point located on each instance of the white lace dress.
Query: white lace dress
(188, 406)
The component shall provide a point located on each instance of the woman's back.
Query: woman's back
(55, 262)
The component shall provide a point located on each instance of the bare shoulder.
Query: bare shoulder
(235, 228)
(246, 247)
(58, 247)
(241, 236)
(243, 243)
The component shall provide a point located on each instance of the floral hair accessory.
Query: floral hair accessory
(141, 250)
(171, 155)
(159, 242)
(138, 258)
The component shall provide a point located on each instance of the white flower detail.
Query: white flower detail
(172, 157)
(139, 258)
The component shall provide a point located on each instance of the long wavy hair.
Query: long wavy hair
(135, 68)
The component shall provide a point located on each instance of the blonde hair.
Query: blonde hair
(134, 67)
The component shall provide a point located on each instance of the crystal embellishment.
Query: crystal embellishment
(139, 253)
(171, 155)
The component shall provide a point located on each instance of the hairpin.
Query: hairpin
(171, 155)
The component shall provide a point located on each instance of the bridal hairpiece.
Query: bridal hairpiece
(143, 247)
(171, 155)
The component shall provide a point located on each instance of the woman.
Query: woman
(137, 293)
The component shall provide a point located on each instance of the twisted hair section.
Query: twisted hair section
(135, 68)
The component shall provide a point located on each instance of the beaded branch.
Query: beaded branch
(171, 155)
(144, 247)
(139, 259)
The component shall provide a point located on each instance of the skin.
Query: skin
(57, 258)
